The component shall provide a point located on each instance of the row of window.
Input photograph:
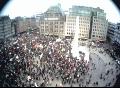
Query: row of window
(86, 22)
(99, 33)
(94, 30)
(84, 25)
(98, 26)
(56, 26)
(70, 24)
(84, 28)
(81, 19)
(73, 21)
(50, 25)
(84, 31)
(52, 22)
(81, 25)
(71, 33)
(98, 36)
(72, 28)
(42, 30)
(84, 18)
(100, 21)
(95, 23)
(85, 35)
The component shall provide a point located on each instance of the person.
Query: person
(56, 56)
(56, 85)
(42, 84)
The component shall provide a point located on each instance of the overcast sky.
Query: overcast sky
(31, 7)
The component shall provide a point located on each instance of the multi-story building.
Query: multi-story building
(70, 26)
(92, 23)
(84, 22)
(99, 25)
(6, 30)
(20, 25)
(110, 32)
(14, 26)
(31, 22)
(117, 33)
(52, 22)
(23, 24)
(38, 16)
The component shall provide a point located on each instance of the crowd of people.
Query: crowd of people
(32, 59)
(103, 50)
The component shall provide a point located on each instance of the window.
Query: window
(56, 26)
(46, 26)
(61, 22)
(61, 26)
(42, 30)
(51, 22)
(56, 22)
(42, 22)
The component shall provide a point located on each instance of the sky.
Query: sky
(32, 7)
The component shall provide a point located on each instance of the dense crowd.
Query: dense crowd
(32, 59)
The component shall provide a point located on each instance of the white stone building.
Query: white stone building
(92, 23)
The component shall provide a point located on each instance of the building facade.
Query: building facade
(20, 25)
(99, 25)
(92, 23)
(117, 33)
(24, 24)
(111, 32)
(31, 22)
(70, 26)
(52, 22)
(84, 22)
(6, 30)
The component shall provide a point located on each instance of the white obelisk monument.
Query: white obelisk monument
(75, 51)
(76, 47)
